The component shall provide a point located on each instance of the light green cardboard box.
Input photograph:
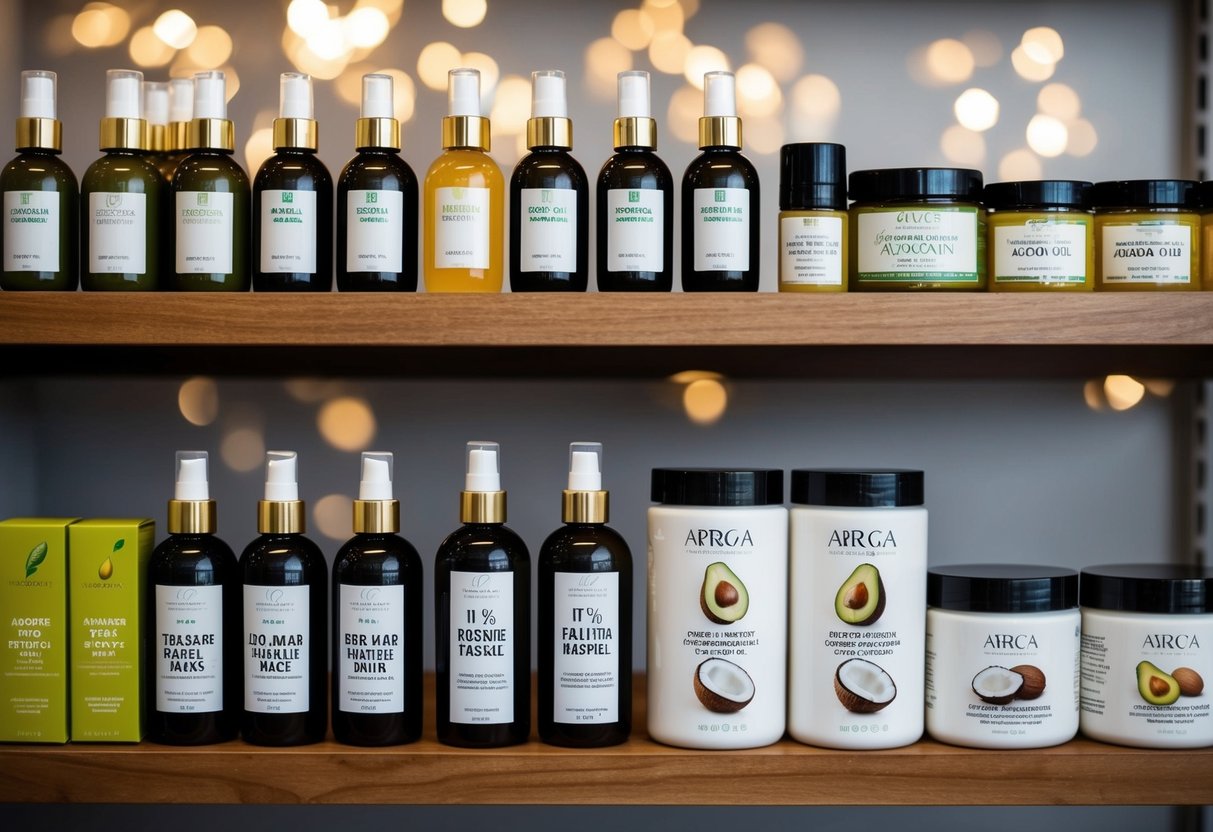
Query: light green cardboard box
(33, 614)
(107, 574)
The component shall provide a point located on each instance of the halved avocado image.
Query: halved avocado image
(1156, 687)
(723, 597)
(860, 599)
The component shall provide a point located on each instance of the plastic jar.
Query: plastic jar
(917, 229)
(718, 588)
(1002, 655)
(859, 570)
(1147, 655)
(1147, 235)
(812, 217)
(1040, 236)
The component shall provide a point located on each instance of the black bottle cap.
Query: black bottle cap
(857, 488)
(1146, 193)
(1043, 193)
(718, 486)
(916, 183)
(1002, 587)
(1170, 588)
(812, 175)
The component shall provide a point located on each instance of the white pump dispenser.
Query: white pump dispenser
(180, 100)
(378, 96)
(483, 467)
(548, 96)
(463, 92)
(155, 102)
(585, 466)
(123, 93)
(634, 100)
(210, 95)
(281, 481)
(192, 483)
(38, 88)
(719, 95)
(376, 481)
(295, 96)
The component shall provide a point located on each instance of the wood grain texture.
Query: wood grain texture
(638, 772)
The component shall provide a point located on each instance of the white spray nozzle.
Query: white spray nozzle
(38, 94)
(376, 476)
(210, 94)
(483, 467)
(191, 476)
(123, 93)
(281, 480)
(295, 96)
(585, 466)
(378, 96)
(548, 98)
(180, 99)
(463, 92)
(155, 102)
(634, 94)
(719, 94)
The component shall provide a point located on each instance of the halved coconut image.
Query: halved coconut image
(723, 687)
(863, 687)
(997, 685)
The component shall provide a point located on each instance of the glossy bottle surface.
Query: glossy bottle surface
(293, 170)
(560, 179)
(481, 548)
(196, 560)
(373, 170)
(589, 548)
(212, 171)
(718, 169)
(112, 177)
(380, 560)
(635, 169)
(465, 169)
(43, 170)
(290, 560)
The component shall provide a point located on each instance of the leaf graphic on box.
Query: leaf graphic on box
(36, 556)
(121, 542)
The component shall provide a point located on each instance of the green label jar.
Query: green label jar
(1147, 235)
(1041, 236)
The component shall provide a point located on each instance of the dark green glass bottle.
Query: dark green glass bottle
(38, 230)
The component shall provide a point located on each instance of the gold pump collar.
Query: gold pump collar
(466, 133)
(123, 134)
(280, 517)
(302, 133)
(549, 131)
(192, 517)
(377, 132)
(481, 506)
(211, 134)
(39, 133)
(720, 131)
(157, 138)
(376, 516)
(586, 506)
(178, 136)
(636, 132)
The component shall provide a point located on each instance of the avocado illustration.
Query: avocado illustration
(860, 599)
(723, 598)
(1156, 687)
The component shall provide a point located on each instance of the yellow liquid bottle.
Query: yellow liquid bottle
(464, 200)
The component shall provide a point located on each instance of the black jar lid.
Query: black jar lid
(1146, 193)
(1040, 193)
(1170, 588)
(812, 175)
(1002, 587)
(916, 183)
(718, 486)
(857, 488)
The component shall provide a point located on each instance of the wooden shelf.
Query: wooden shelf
(638, 772)
(756, 335)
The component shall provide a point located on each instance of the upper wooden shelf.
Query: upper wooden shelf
(767, 334)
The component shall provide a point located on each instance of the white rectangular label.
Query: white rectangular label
(549, 230)
(31, 231)
(461, 233)
(811, 248)
(204, 231)
(1147, 252)
(1041, 251)
(276, 660)
(482, 647)
(635, 218)
(722, 229)
(374, 229)
(288, 232)
(189, 649)
(585, 677)
(370, 636)
(916, 244)
(117, 226)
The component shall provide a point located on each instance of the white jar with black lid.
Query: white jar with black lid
(1002, 655)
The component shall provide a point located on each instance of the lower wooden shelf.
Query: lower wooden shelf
(638, 772)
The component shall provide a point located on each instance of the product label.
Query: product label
(189, 649)
(812, 251)
(722, 229)
(288, 231)
(374, 231)
(938, 244)
(371, 645)
(1041, 251)
(117, 228)
(549, 230)
(461, 232)
(31, 231)
(276, 657)
(1147, 252)
(635, 219)
(204, 231)
(585, 674)
(482, 647)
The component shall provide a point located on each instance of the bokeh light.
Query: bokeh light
(242, 448)
(986, 47)
(1028, 67)
(258, 148)
(705, 401)
(465, 13)
(949, 61)
(175, 28)
(366, 27)
(1043, 45)
(633, 28)
(347, 423)
(435, 61)
(147, 50)
(100, 24)
(605, 58)
(1059, 101)
(703, 59)
(306, 16)
(512, 106)
(1123, 392)
(816, 97)
(332, 515)
(1018, 165)
(1083, 138)
(976, 109)
(777, 48)
(198, 400)
(666, 15)
(963, 146)
(211, 48)
(686, 106)
(758, 93)
(764, 134)
(668, 52)
(1047, 136)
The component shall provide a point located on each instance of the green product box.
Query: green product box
(108, 572)
(33, 611)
